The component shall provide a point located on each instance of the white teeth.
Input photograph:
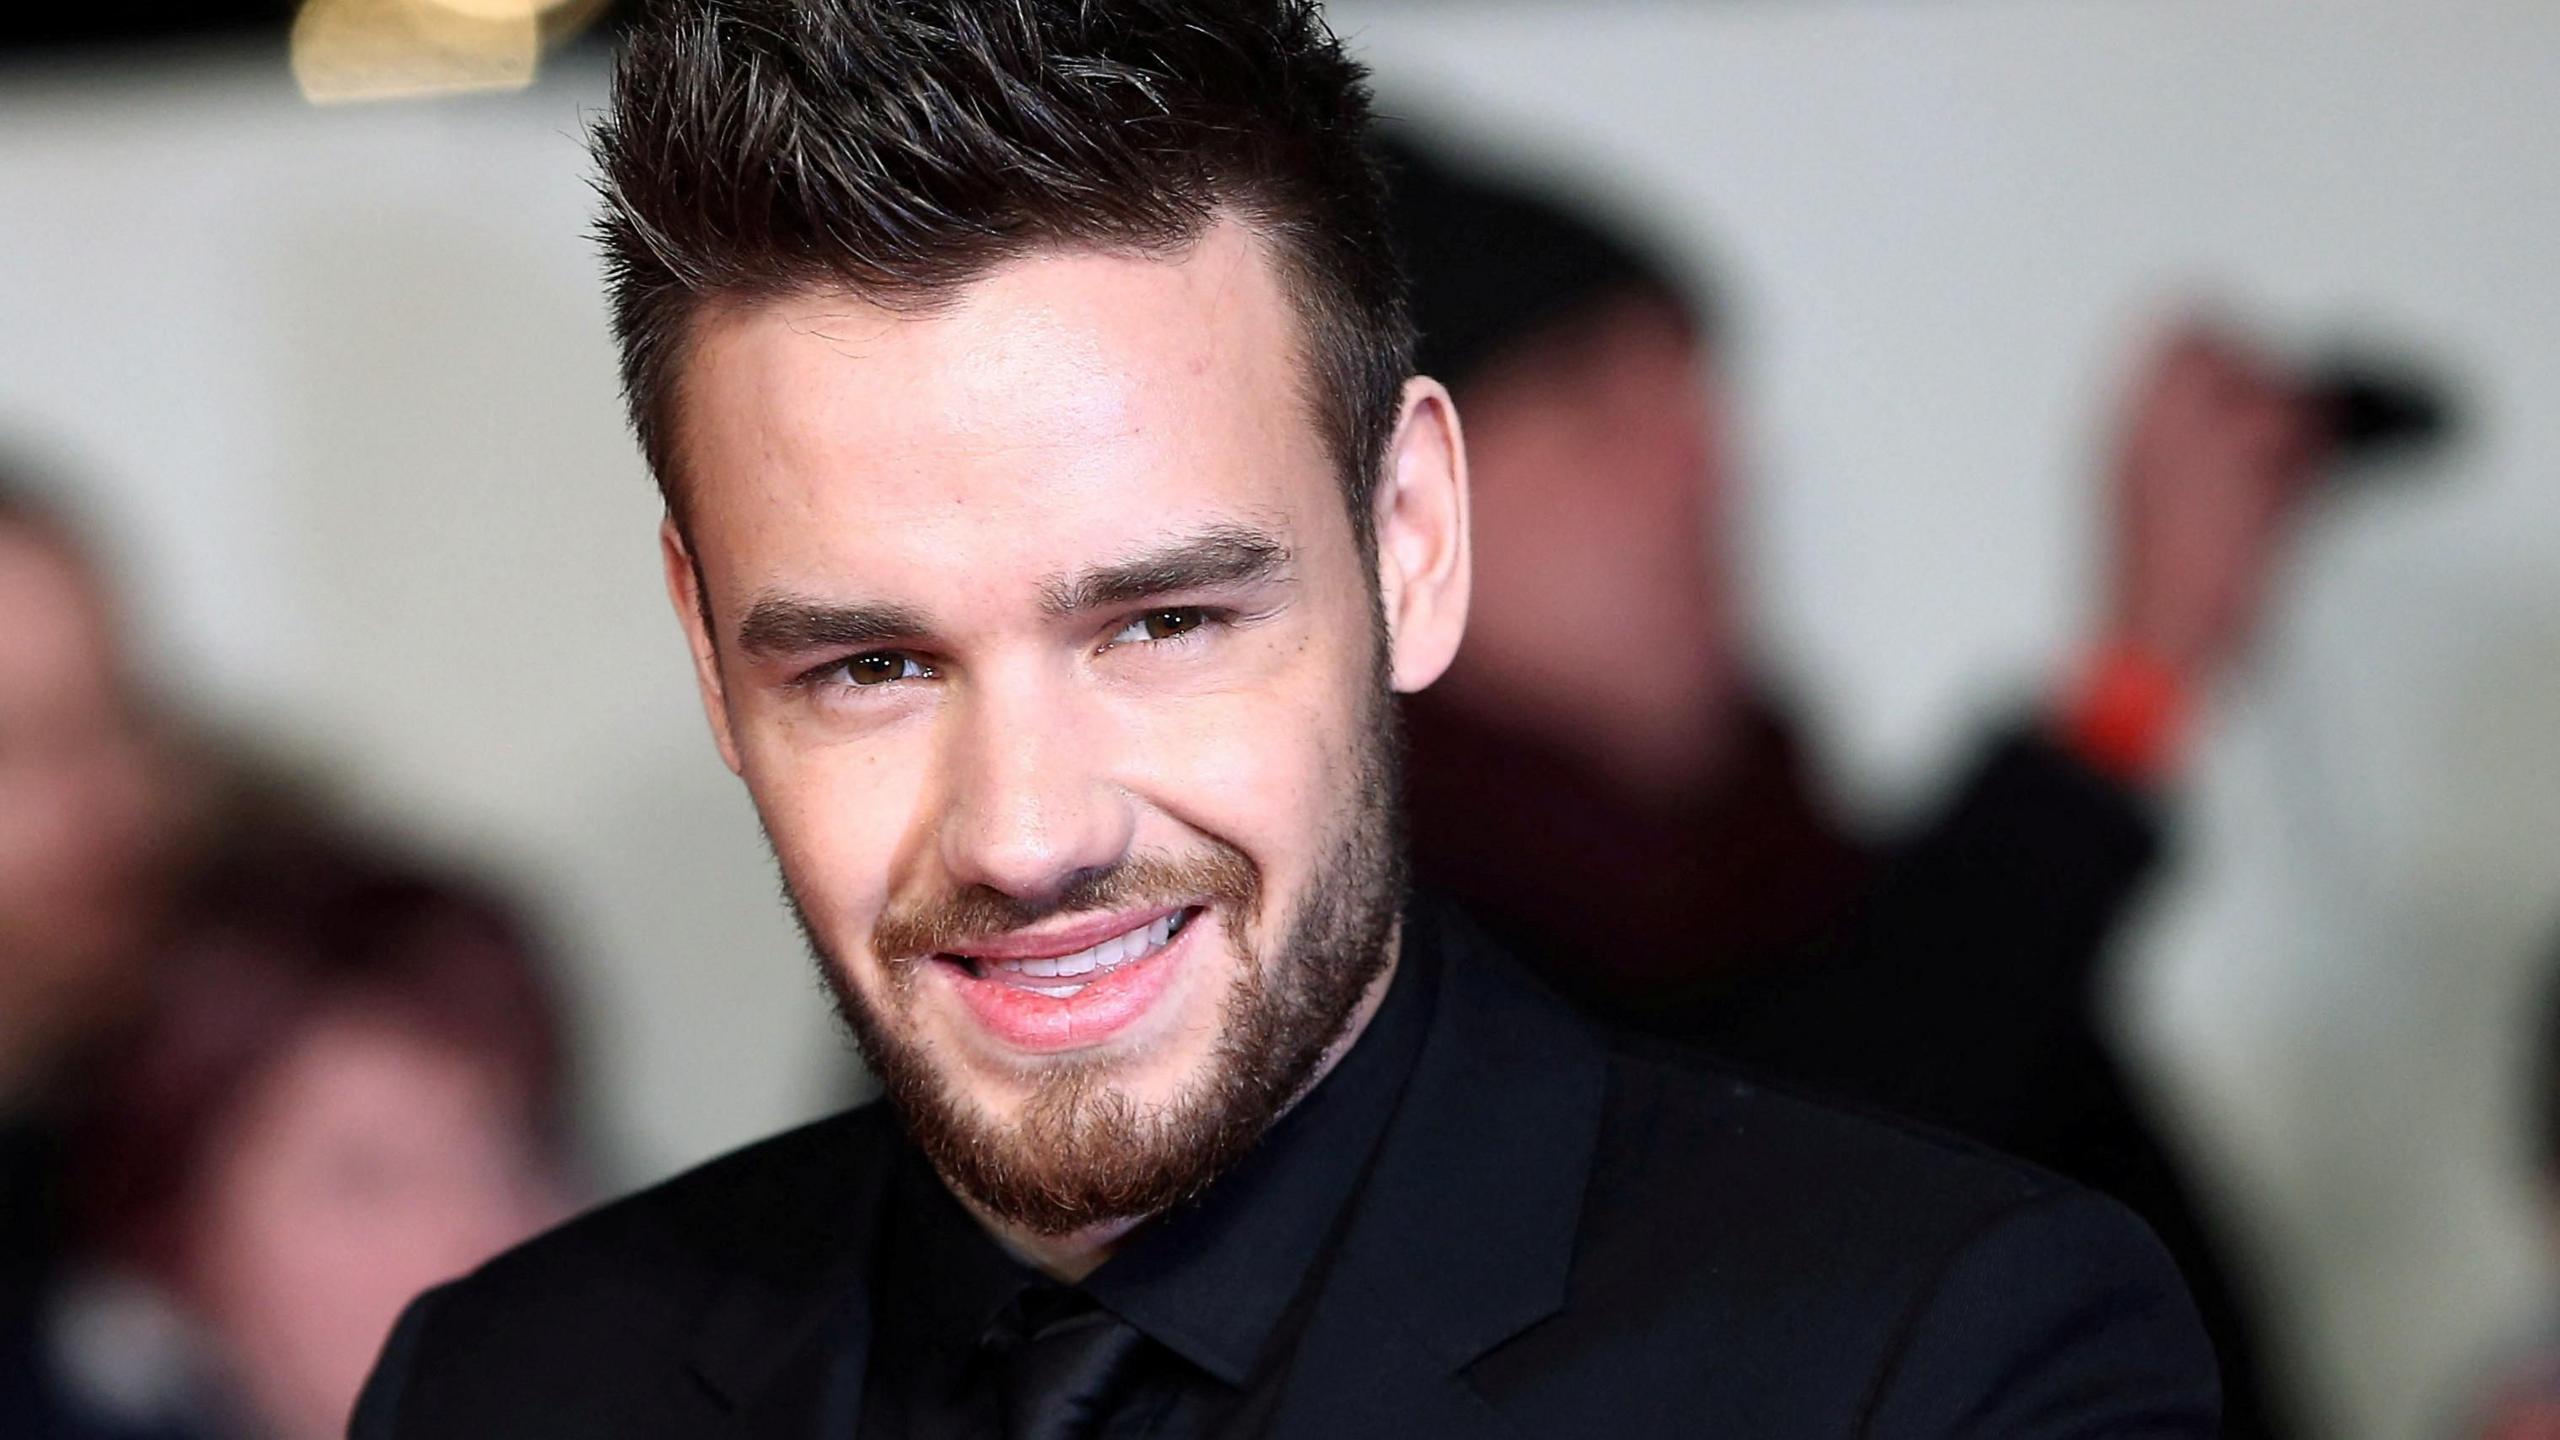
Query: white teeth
(1118, 950)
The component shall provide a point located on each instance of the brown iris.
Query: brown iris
(1166, 624)
(874, 669)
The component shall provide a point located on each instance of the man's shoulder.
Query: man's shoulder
(769, 1207)
(1684, 1132)
(1687, 1126)
(1846, 1268)
(1740, 1174)
(1708, 1178)
(567, 1334)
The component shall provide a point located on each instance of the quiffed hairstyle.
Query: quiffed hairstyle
(900, 149)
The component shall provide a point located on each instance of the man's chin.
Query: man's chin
(1066, 1142)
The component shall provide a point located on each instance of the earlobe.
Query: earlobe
(1424, 556)
(693, 614)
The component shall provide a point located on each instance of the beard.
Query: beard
(1082, 1153)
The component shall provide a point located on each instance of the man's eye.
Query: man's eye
(1157, 625)
(879, 668)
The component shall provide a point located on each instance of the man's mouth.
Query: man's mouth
(1059, 976)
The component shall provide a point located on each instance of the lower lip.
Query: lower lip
(1036, 1024)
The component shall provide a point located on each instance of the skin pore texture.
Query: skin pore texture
(1036, 624)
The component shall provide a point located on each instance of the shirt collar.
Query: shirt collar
(940, 1265)
(1211, 1280)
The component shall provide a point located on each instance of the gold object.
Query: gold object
(347, 50)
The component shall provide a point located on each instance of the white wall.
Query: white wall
(341, 378)
(342, 381)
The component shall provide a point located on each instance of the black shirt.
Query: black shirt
(1217, 1287)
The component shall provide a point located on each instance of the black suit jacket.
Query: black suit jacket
(1562, 1235)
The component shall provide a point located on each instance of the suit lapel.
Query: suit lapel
(1463, 1234)
(781, 1345)
(1361, 1370)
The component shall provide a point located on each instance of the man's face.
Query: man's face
(1038, 630)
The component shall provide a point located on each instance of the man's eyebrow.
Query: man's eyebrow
(794, 624)
(1224, 555)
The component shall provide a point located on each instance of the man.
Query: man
(1053, 512)
(1954, 974)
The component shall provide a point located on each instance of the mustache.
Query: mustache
(934, 925)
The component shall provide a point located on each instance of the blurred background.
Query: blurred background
(326, 395)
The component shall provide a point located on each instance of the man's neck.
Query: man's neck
(1069, 1258)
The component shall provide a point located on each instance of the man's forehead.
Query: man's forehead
(1050, 393)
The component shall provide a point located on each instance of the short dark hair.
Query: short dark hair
(901, 148)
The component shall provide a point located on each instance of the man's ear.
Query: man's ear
(693, 612)
(1423, 552)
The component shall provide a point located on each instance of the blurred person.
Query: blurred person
(1054, 512)
(345, 1086)
(1661, 793)
(93, 818)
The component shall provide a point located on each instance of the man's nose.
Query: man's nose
(1029, 805)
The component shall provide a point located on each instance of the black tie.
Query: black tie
(1062, 1377)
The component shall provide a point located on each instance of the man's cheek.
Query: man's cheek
(1254, 774)
(839, 821)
